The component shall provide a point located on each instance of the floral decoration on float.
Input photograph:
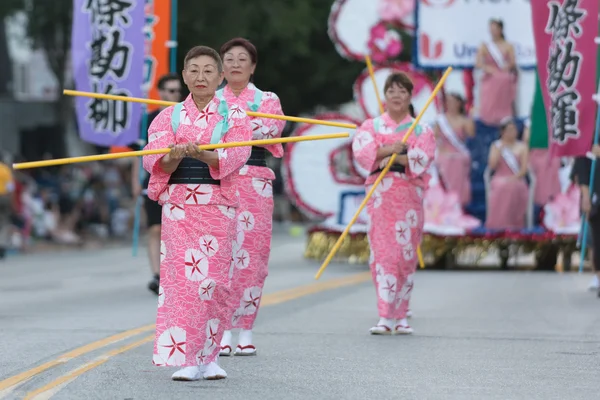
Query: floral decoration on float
(370, 27)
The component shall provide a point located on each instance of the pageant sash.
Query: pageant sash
(496, 54)
(450, 135)
(510, 159)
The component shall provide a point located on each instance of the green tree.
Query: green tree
(296, 59)
(49, 28)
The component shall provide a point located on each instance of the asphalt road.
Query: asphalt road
(478, 335)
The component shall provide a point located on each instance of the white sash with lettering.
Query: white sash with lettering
(496, 54)
(510, 158)
(449, 133)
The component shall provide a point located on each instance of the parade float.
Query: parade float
(327, 186)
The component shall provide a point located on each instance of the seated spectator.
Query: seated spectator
(509, 195)
(453, 158)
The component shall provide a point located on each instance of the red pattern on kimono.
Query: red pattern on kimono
(396, 208)
(249, 263)
(198, 230)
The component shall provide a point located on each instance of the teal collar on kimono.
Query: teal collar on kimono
(253, 105)
(403, 126)
(220, 129)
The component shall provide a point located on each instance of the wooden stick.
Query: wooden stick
(171, 103)
(112, 156)
(380, 177)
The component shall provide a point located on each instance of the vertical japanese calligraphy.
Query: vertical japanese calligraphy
(108, 57)
(564, 33)
(157, 32)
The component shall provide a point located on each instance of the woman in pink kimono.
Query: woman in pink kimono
(453, 158)
(545, 169)
(498, 85)
(197, 191)
(249, 266)
(509, 195)
(396, 208)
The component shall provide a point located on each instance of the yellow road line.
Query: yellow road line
(16, 379)
(267, 300)
(84, 368)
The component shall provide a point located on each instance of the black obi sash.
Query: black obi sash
(394, 168)
(258, 157)
(192, 171)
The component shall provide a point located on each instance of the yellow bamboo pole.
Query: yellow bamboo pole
(112, 156)
(380, 177)
(170, 103)
(382, 110)
(372, 74)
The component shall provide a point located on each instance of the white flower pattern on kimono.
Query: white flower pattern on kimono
(412, 218)
(198, 194)
(161, 296)
(408, 252)
(243, 170)
(417, 160)
(174, 212)
(206, 289)
(212, 329)
(229, 212)
(163, 251)
(242, 259)
(209, 245)
(263, 186)
(196, 265)
(250, 300)
(363, 138)
(246, 219)
(166, 194)
(171, 346)
(156, 135)
(387, 288)
(402, 233)
(205, 115)
(236, 112)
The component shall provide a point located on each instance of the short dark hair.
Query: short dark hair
(398, 78)
(241, 42)
(163, 80)
(204, 51)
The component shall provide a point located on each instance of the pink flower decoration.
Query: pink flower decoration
(443, 209)
(384, 44)
(394, 10)
(562, 213)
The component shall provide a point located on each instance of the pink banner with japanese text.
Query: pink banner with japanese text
(564, 32)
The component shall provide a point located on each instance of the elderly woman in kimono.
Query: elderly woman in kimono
(396, 208)
(250, 259)
(197, 191)
(509, 195)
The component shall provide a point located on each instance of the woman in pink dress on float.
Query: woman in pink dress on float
(453, 158)
(509, 195)
(545, 169)
(498, 86)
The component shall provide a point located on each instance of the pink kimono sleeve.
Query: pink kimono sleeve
(271, 128)
(364, 146)
(421, 153)
(234, 158)
(160, 136)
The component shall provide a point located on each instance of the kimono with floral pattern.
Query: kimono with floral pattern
(396, 208)
(198, 232)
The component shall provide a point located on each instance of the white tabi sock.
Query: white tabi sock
(188, 374)
(213, 371)
(226, 344)
(403, 322)
(245, 337)
(386, 322)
